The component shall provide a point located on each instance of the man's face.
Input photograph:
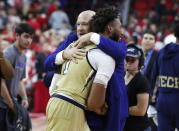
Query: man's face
(116, 31)
(148, 42)
(82, 25)
(24, 40)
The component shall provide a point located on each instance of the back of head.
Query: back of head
(102, 18)
(24, 28)
(176, 31)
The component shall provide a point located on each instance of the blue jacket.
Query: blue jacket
(116, 96)
(166, 67)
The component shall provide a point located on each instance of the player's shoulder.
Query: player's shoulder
(99, 55)
(96, 51)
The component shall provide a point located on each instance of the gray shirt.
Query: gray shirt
(18, 61)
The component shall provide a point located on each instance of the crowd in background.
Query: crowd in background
(53, 20)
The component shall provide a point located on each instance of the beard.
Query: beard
(115, 36)
(23, 45)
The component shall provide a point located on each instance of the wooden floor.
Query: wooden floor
(38, 121)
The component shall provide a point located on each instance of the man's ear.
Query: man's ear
(109, 29)
(17, 35)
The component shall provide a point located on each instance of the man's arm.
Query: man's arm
(23, 95)
(115, 49)
(6, 67)
(5, 94)
(49, 63)
(96, 98)
(141, 107)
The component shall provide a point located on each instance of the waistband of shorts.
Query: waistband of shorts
(69, 100)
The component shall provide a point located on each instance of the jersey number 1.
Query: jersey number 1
(66, 67)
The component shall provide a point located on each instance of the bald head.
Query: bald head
(88, 14)
(83, 22)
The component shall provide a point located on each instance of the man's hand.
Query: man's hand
(102, 110)
(83, 40)
(25, 103)
(73, 54)
(13, 108)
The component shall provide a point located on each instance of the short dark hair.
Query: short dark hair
(151, 33)
(24, 28)
(102, 18)
(176, 31)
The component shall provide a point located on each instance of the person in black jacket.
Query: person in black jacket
(150, 56)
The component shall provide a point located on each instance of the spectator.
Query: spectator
(148, 44)
(57, 23)
(171, 37)
(3, 19)
(166, 69)
(14, 53)
(138, 90)
(150, 56)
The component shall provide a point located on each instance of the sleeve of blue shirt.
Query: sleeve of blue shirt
(49, 63)
(117, 50)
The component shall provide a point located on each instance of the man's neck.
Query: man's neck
(131, 73)
(104, 34)
(18, 47)
(146, 51)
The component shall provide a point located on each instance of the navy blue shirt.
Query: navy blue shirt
(166, 68)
